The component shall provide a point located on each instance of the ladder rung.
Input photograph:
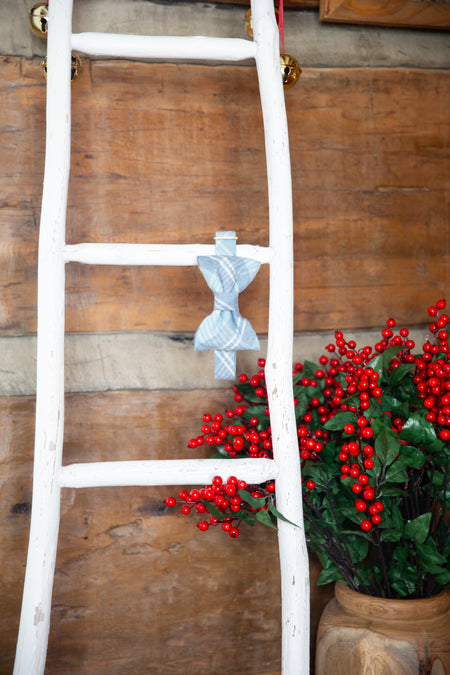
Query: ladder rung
(167, 47)
(154, 254)
(165, 472)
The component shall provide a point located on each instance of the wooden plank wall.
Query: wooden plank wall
(173, 153)
(137, 586)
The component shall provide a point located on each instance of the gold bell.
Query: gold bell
(248, 22)
(75, 71)
(290, 70)
(38, 18)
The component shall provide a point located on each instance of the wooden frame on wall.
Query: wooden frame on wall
(292, 4)
(408, 13)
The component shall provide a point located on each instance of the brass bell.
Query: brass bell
(38, 18)
(75, 71)
(248, 22)
(290, 70)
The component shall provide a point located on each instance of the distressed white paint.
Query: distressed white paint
(49, 476)
(293, 553)
(163, 47)
(165, 472)
(36, 603)
(154, 254)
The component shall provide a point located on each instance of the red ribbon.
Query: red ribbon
(281, 24)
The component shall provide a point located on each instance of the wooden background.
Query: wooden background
(139, 589)
(172, 153)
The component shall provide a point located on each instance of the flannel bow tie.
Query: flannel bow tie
(225, 330)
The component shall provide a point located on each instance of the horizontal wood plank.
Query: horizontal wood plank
(138, 589)
(172, 153)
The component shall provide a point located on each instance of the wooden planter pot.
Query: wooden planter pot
(361, 634)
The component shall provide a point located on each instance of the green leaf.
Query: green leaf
(359, 546)
(248, 392)
(418, 528)
(339, 421)
(444, 499)
(351, 514)
(404, 587)
(247, 517)
(442, 577)
(326, 576)
(221, 454)
(265, 519)
(397, 374)
(279, 515)
(387, 445)
(375, 409)
(438, 478)
(396, 473)
(254, 502)
(309, 369)
(258, 412)
(212, 509)
(399, 562)
(394, 405)
(396, 518)
(412, 457)
(419, 431)
(391, 526)
(381, 362)
(434, 446)
(330, 571)
(412, 429)
(429, 555)
(403, 575)
(302, 403)
(391, 535)
(392, 491)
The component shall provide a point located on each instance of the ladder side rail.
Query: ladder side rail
(36, 602)
(163, 47)
(154, 254)
(164, 472)
(292, 544)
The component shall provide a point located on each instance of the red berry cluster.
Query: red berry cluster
(432, 378)
(356, 453)
(350, 384)
(231, 434)
(220, 499)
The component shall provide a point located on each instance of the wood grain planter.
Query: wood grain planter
(376, 636)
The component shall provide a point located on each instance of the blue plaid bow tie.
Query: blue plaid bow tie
(225, 330)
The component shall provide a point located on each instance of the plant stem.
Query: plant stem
(414, 496)
(442, 543)
(380, 555)
(429, 496)
(333, 509)
(337, 550)
(419, 576)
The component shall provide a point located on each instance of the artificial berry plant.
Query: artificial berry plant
(374, 442)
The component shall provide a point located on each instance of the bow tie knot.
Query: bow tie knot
(225, 330)
(226, 301)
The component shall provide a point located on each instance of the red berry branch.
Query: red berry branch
(373, 430)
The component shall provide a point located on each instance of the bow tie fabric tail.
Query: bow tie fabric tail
(225, 330)
(224, 365)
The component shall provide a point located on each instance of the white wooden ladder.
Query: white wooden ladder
(50, 475)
